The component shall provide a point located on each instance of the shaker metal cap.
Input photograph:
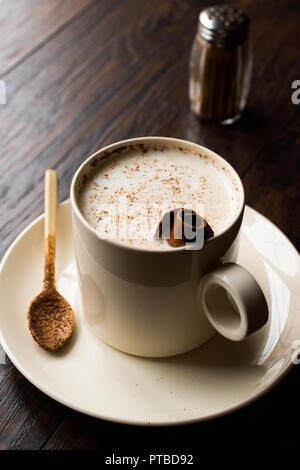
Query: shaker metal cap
(223, 24)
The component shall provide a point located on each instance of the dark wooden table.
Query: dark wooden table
(80, 74)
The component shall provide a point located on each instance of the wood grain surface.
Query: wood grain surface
(81, 74)
(27, 25)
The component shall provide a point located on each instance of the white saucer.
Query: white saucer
(97, 380)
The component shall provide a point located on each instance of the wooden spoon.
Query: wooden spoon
(50, 317)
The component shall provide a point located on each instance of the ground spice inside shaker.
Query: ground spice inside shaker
(220, 64)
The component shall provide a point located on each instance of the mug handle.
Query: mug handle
(233, 302)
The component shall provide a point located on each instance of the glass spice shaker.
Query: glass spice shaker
(220, 65)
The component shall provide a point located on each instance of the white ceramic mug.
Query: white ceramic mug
(164, 302)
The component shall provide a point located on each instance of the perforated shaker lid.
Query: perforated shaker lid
(223, 24)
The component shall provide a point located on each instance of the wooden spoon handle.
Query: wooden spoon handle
(50, 202)
(50, 227)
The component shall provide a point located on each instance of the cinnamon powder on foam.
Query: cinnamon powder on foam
(125, 196)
